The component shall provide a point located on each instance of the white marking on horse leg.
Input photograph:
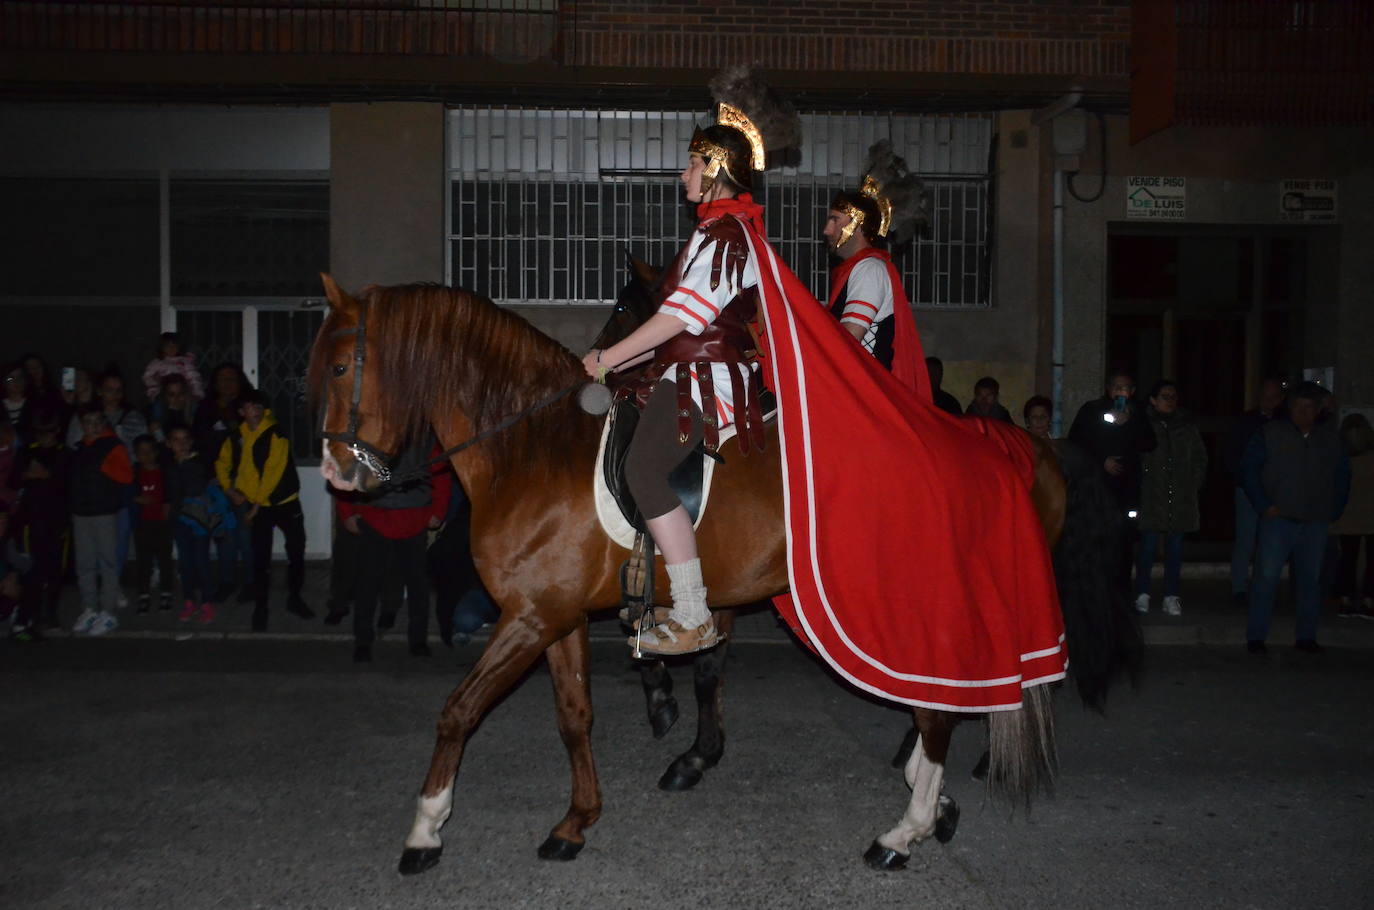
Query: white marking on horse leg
(430, 814)
(925, 778)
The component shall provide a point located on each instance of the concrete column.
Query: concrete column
(1085, 295)
(386, 193)
(1354, 365)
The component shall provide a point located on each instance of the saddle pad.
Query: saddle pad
(613, 519)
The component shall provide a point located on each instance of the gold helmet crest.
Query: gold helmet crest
(751, 119)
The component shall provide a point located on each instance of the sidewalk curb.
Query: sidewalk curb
(1161, 635)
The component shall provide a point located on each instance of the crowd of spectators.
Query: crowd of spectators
(201, 470)
(1304, 493)
(202, 467)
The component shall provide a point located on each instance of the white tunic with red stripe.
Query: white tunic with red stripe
(869, 299)
(697, 305)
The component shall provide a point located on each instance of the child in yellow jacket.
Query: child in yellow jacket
(256, 469)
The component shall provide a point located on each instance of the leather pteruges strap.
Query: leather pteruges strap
(737, 392)
(710, 420)
(755, 411)
(683, 380)
(731, 252)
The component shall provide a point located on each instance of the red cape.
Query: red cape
(918, 567)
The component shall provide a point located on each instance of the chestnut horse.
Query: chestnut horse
(398, 360)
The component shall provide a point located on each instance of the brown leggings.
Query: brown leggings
(655, 452)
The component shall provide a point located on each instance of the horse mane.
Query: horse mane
(433, 350)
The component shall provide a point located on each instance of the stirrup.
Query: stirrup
(670, 638)
(631, 617)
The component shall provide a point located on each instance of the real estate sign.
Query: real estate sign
(1156, 198)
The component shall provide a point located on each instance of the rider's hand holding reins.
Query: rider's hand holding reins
(593, 363)
(658, 329)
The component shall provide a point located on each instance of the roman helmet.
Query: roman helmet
(752, 118)
(891, 203)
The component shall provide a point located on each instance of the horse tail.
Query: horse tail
(1100, 629)
(1022, 754)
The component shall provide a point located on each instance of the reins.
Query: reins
(395, 480)
(376, 460)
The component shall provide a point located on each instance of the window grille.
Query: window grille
(284, 341)
(284, 338)
(214, 337)
(543, 202)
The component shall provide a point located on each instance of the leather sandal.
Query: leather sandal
(660, 615)
(670, 638)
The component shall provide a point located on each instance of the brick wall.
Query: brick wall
(1068, 37)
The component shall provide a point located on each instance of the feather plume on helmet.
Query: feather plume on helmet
(752, 120)
(891, 204)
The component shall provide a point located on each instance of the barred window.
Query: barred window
(544, 202)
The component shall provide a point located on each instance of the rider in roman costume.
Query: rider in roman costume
(866, 293)
(962, 628)
(703, 355)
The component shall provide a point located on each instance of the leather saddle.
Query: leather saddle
(685, 479)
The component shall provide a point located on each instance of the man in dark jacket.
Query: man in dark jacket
(1247, 519)
(392, 528)
(985, 401)
(1298, 479)
(1114, 431)
(943, 400)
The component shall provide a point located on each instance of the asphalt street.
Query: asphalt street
(241, 773)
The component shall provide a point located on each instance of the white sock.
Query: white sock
(689, 594)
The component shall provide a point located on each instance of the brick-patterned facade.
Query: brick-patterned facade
(1069, 37)
(1089, 38)
(1194, 61)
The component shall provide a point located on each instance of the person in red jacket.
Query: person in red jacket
(153, 533)
(393, 527)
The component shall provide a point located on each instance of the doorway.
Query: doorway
(1215, 308)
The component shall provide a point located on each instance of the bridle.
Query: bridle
(366, 454)
(376, 460)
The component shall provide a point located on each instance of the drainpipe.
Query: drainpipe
(1067, 144)
(1057, 292)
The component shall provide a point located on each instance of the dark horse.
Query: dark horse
(399, 360)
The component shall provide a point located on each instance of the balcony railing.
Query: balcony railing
(1300, 62)
(510, 30)
(1274, 62)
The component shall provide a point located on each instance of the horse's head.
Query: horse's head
(358, 443)
(634, 305)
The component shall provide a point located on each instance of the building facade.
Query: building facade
(196, 165)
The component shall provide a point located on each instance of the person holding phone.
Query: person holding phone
(1114, 431)
(18, 403)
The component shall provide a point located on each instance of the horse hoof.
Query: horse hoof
(948, 820)
(905, 749)
(415, 860)
(885, 859)
(556, 848)
(676, 779)
(663, 718)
